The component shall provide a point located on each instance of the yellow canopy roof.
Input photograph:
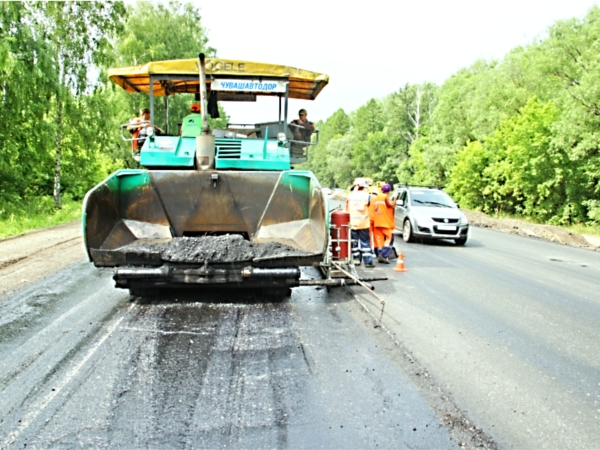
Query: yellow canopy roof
(181, 76)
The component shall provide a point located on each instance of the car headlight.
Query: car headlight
(281, 137)
(149, 131)
(423, 220)
(464, 220)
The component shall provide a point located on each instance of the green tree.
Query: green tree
(408, 113)
(26, 84)
(527, 173)
(158, 32)
(339, 156)
(78, 36)
(336, 126)
(408, 116)
(572, 60)
(468, 180)
(367, 119)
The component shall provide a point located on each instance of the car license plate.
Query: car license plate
(446, 227)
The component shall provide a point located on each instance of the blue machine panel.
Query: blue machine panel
(253, 154)
(168, 151)
(240, 154)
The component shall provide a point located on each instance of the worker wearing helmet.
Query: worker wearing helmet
(357, 205)
(382, 216)
(191, 125)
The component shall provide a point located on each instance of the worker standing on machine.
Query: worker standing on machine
(357, 205)
(137, 127)
(191, 125)
(382, 215)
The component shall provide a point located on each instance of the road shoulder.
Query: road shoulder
(28, 257)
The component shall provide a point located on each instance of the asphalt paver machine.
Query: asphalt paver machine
(221, 209)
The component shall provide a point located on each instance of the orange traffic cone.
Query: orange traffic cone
(400, 264)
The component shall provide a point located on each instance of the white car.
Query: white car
(429, 213)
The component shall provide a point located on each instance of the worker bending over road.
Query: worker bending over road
(382, 215)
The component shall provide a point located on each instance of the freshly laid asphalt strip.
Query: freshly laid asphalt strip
(213, 249)
(82, 365)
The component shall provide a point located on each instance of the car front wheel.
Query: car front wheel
(407, 234)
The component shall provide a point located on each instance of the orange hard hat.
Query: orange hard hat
(195, 108)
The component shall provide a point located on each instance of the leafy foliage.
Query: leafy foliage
(59, 114)
(149, 36)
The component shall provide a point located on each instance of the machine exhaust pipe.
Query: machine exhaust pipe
(205, 143)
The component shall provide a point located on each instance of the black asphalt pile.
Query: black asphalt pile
(214, 249)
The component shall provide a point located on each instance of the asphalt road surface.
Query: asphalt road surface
(83, 366)
(508, 327)
(492, 344)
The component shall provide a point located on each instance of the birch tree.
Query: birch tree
(78, 35)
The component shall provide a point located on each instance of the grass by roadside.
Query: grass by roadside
(593, 230)
(36, 214)
(579, 228)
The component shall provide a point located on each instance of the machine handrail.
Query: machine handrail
(315, 133)
(130, 139)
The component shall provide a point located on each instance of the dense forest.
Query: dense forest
(516, 136)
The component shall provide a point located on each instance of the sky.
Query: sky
(370, 49)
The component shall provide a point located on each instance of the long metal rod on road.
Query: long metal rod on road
(358, 281)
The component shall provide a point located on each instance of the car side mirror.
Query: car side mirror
(400, 202)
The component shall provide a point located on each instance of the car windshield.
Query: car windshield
(431, 198)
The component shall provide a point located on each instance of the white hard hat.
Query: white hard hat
(361, 182)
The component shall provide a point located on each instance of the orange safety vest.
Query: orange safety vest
(356, 205)
(382, 215)
(135, 133)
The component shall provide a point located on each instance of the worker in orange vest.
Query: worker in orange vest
(137, 127)
(357, 205)
(382, 216)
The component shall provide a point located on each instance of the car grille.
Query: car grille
(441, 220)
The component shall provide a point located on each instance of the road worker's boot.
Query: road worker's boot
(382, 259)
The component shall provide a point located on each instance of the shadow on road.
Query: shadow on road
(208, 295)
